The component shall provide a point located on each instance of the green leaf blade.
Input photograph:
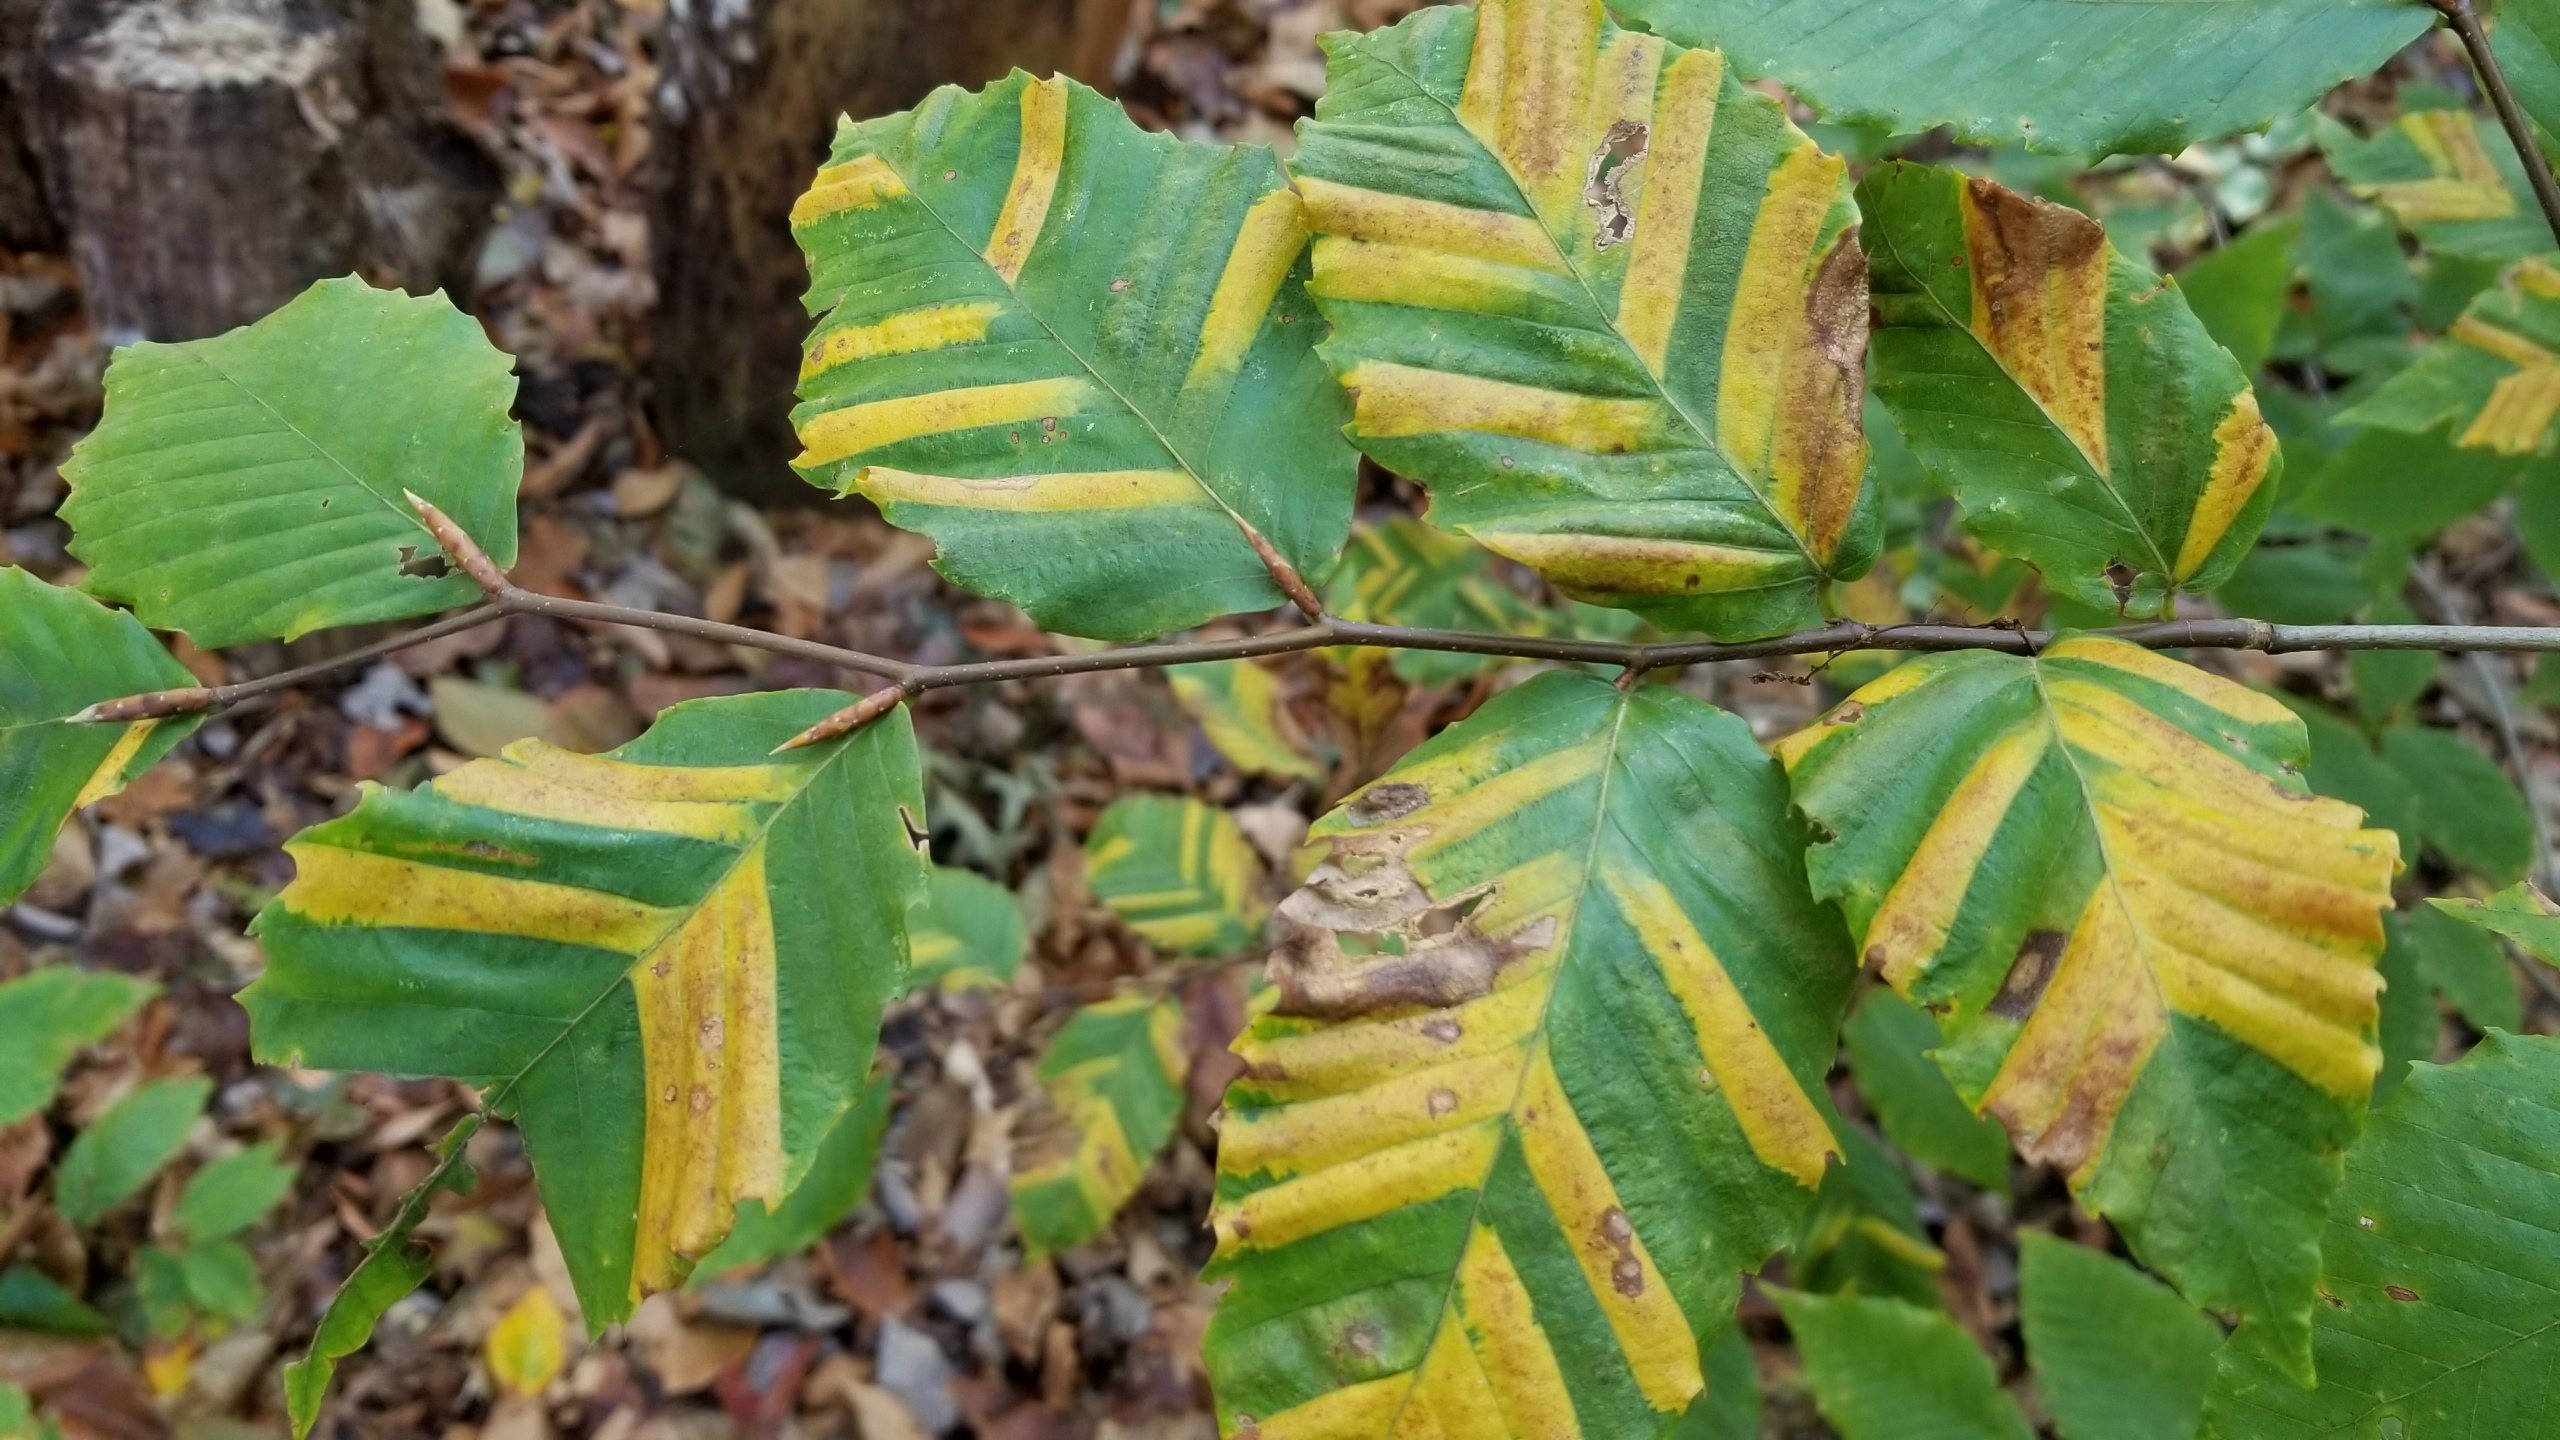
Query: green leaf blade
(60, 652)
(1601, 299)
(233, 1193)
(2134, 466)
(1112, 1086)
(119, 1153)
(1103, 388)
(1888, 1370)
(2094, 80)
(1520, 1164)
(968, 935)
(1889, 1038)
(621, 943)
(48, 1015)
(250, 486)
(2117, 1355)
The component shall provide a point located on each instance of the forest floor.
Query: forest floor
(919, 1315)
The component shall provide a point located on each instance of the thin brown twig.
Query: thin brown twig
(2464, 22)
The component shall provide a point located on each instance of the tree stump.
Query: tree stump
(205, 160)
(750, 95)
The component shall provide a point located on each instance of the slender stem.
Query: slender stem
(2442, 599)
(2464, 21)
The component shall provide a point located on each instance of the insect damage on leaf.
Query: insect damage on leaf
(1604, 183)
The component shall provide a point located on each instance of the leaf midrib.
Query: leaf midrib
(2106, 481)
(1528, 1051)
(201, 355)
(1608, 318)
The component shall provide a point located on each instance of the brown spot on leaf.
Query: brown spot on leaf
(2029, 973)
(2401, 1293)
(2120, 578)
(1444, 1030)
(1442, 1102)
(1392, 801)
(1364, 1338)
(1603, 181)
(1626, 1273)
(1850, 712)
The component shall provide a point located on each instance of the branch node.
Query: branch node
(2262, 636)
(464, 551)
(155, 705)
(847, 720)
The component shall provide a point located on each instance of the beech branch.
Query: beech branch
(2464, 22)
(908, 680)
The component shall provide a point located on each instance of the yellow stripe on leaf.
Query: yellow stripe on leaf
(1667, 217)
(1028, 494)
(1266, 249)
(108, 778)
(1528, 93)
(1637, 566)
(1510, 1345)
(909, 332)
(1624, 1279)
(336, 886)
(547, 783)
(1362, 1189)
(1427, 277)
(1913, 920)
(1376, 216)
(1319, 1134)
(1777, 1117)
(2517, 418)
(2244, 450)
(1339, 1058)
(2462, 184)
(712, 1062)
(1354, 1412)
(2040, 305)
(850, 431)
(1035, 177)
(857, 184)
(1394, 400)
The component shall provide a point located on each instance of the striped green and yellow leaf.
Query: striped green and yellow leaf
(2065, 394)
(1240, 708)
(634, 950)
(1111, 1091)
(61, 652)
(1541, 1080)
(2438, 1268)
(1401, 571)
(968, 935)
(2449, 177)
(251, 485)
(1177, 871)
(1606, 302)
(2521, 913)
(2150, 948)
(838, 1178)
(2493, 381)
(1078, 355)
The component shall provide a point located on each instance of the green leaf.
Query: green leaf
(1604, 301)
(30, 1300)
(48, 1015)
(2519, 912)
(2538, 521)
(2448, 176)
(2527, 43)
(2441, 1258)
(2466, 808)
(121, 1150)
(2062, 391)
(18, 1419)
(2124, 78)
(1077, 355)
(1888, 1370)
(222, 1280)
(160, 1290)
(250, 486)
(233, 1193)
(2385, 680)
(1111, 1092)
(968, 935)
(2310, 581)
(394, 1264)
(1863, 1235)
(634, 949)
(837, 1180)
(2238, 290)
(2469, 966)
(60, 652)
(1240, 708)
(2344, 767)
(2117, 1355)
(2150, 948)
(1889, 1040)
(2366, 484)
(2352, 265)
(1542, 1079)
(1402, 572)
(1730, 1410)
(2493, 382)
(2410, 1025)
(1178, 872)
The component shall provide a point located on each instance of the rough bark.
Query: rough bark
(207, 159)
(751, 94)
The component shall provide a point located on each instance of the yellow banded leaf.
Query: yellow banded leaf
(1078, 356)
(632, 950)
(1177, 871)
(2077, 409)
(2151, 950)
(2449, 177)
(1540, 1081)
(1601, 298)
(1403, 572)
(60, 652)
(968, 935)
(1111, 1092)
(2493, 382)
(1239, 706)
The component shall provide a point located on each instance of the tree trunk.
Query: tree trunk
(207, 159)
(748, 105)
